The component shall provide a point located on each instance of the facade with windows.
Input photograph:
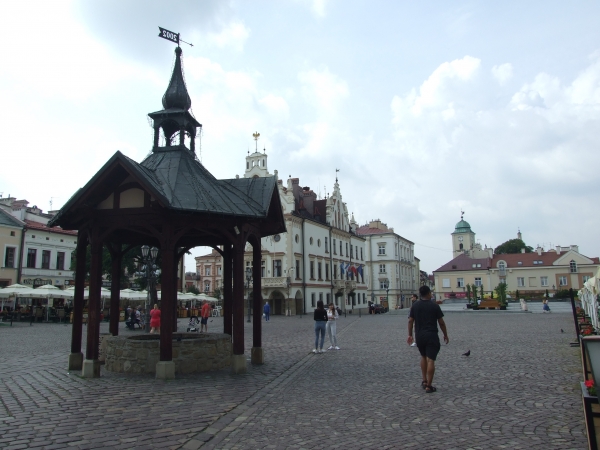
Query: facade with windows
(11, 230)
(209, 272)
(319, 258)
(394, 271)
(530, 273)
(44, 254)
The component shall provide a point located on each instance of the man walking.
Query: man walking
(204, 315)
(425, 315)
(267, 311)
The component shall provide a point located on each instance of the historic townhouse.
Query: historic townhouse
(209, 272)
(11, 230)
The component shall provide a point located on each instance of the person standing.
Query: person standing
(545, 307)
(413, 299)
(204, 315)
(332, 317)
(155, 319)
(320, 317)
(425, 315)
(267, 311)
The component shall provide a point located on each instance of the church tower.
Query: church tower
(463, 238)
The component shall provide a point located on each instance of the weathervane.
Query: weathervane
(170, 36)
(336, 171)
(462, 213)
(256, 135)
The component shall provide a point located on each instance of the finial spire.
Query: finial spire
(462, 213)
(336, 171)
(256, 135)
(176, 96)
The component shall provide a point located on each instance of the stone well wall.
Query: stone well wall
(193, 353)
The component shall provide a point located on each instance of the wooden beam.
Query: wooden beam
(115, 288)
(168, 296)
(227, 288)
(256, 293)
(238, 297)
(80, 252)
(93, 331)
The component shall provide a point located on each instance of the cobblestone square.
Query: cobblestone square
(518, 389)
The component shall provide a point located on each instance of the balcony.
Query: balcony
(274, 282)
(350, 286)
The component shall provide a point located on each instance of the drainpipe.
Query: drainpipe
(20, 265)
(303, 271)
(330, 249)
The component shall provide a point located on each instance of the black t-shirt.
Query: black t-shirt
(320, 315)
(426, 314)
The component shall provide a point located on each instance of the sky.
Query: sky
(427, 108)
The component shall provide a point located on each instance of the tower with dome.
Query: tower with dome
(463, 238)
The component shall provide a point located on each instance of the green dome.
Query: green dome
(462, 227)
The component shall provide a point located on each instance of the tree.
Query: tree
(217, 293)
(193, 289)
(481, 292)
(512, 246)
(501, 291)
(469, 292)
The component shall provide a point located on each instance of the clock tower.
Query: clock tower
(463, 238)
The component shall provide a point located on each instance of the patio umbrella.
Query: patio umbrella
(130, 294)
(48, 291)
(13, 291)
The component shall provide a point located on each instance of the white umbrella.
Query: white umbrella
(130, 294)
(207, 298)
(15, 290)
(48, 291)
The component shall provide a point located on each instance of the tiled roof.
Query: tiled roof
(7, 219)
(527, 259)
(463, 262)
(40, 226)
(365, 229)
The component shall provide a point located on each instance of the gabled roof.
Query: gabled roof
(527, 259)
(41, 227)
(9, 220)
(463, 262)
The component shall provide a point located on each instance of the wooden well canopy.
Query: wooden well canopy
(171, 201)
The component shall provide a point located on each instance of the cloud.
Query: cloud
(323, 90)
(317, 7)
(502, 73)
(233, 34)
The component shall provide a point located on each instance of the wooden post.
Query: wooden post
(168, 302)
(257, 294)
(238, 299)
(227, 289)
(76, 357)
(93, 331)
(115, 290)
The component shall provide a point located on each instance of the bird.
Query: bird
(467, 354)
(562, 331)
(211, 320)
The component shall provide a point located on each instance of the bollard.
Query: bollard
(359, 313)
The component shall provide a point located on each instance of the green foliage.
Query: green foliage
(547, 294)
(481, 292)
(501, 291)
(193, 289)
(562, 293)
(512, 246)
(217, 293)
(517, 295)
(468, 292)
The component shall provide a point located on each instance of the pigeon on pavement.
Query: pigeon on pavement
(562, 331)
(467, 354)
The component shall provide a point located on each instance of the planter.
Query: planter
(503, 308)
(469, 306)
(475, 308)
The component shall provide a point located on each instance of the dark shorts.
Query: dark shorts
(204, 320)
(428, 345)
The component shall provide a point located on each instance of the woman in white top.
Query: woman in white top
(332, 317)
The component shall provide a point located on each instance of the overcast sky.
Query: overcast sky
(426, 107)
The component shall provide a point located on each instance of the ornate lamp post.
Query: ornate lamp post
(387, 292)
(248, 281)
(149, 258)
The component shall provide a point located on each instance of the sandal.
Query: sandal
(424, 384)
(430, 389)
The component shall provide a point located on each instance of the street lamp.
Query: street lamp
(387, 291)
(554, 289)
(248, 280)
(149, 258)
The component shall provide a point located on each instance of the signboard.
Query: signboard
(455, 295)
(36, 281)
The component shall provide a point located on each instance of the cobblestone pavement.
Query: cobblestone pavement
(518, 389)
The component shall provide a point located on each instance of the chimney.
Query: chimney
(575, 248)
(558, 249)
(539, 250)
(522, 250)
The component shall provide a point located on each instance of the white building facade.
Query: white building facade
(393, 270)
(319, 258)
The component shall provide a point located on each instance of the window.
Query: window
(519, 263)
(544, 281)
(297, 238)
(502, 265)
(247, 165)
(327, 271)
(276, 267)
(263, 266)
(446, 282)
(381, 268)
(328, 297)
(320, 296)
(207, 286)
(382, 285)
(346, 249)
(207, 270)
(573, 266)
(31, 257)
(334, 248)
(298, 269)
(585, 278)
(9, 257)
(478, 281)
(460, 282)
(352, 251)
(45, 259)
(381, 249)
(311, 241)
(521, 281)
(312, 300)
(319, 272)
(12, 233)
(262, 263)
(503, 280)
(312, 270)
(60, 261)
(318, 242)
(562, 281)
(326, 246)
(341, 248)
(335, 272)
(361, 254)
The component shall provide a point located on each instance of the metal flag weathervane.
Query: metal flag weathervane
(170, 36)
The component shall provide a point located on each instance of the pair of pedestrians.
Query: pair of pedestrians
(325, 321)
